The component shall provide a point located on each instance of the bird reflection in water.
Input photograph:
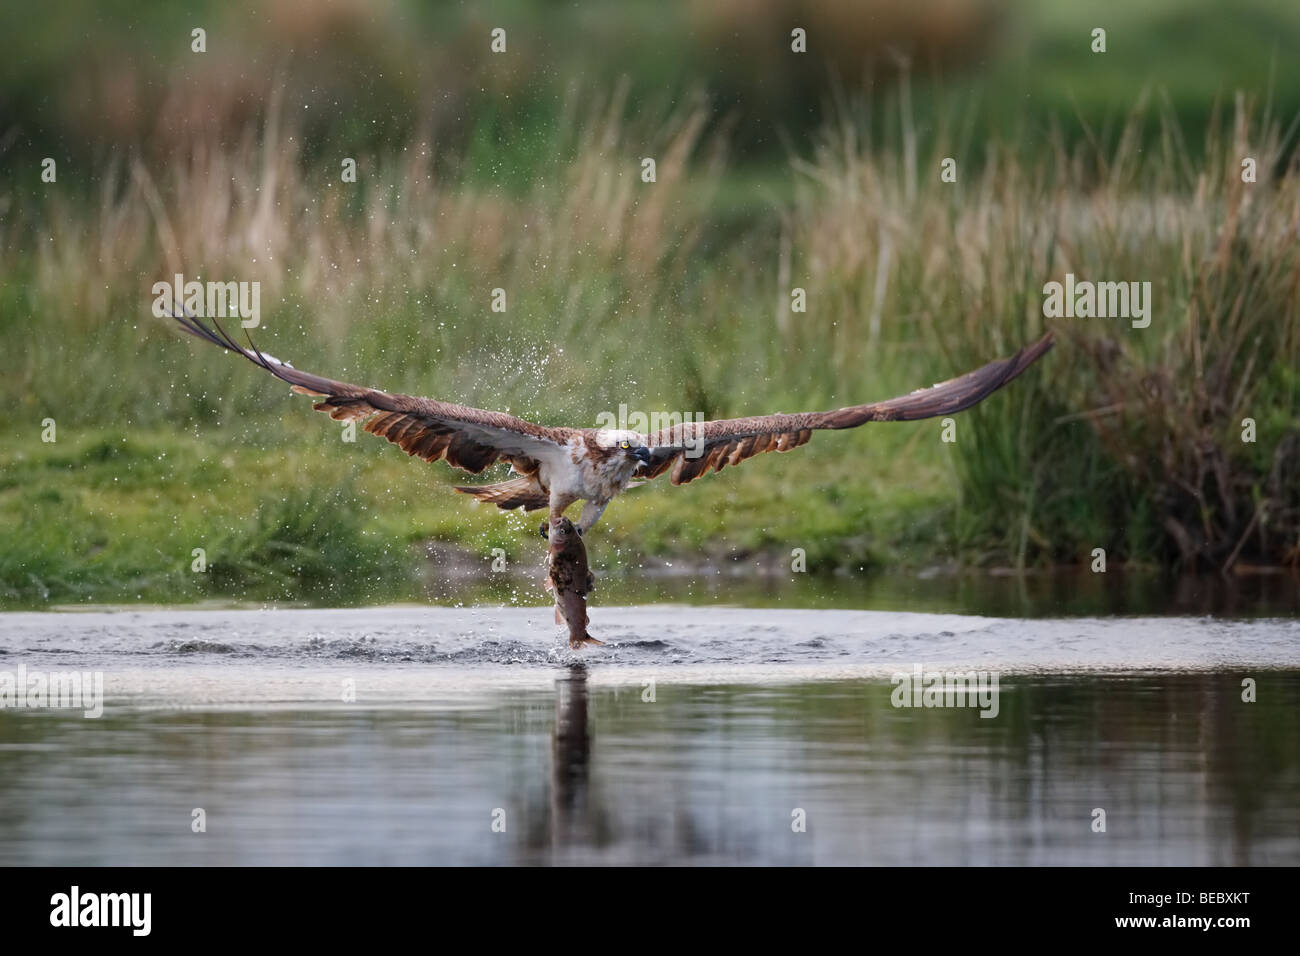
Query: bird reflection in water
(570, 760)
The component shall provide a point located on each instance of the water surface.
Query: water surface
(697, 736)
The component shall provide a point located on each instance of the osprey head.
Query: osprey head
(621, 442)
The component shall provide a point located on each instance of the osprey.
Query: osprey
(557, 467)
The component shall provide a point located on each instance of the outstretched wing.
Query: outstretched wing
(468, 438)
(731, 441)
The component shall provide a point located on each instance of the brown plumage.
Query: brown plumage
(733, 440)
(523, 493)
(559, 466)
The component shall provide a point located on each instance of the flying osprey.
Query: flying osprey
(559, 466)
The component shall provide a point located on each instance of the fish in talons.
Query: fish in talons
(569, 579)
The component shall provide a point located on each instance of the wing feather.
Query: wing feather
(733, 440)
(471, 439)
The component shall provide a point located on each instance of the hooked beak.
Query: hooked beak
(642, 453)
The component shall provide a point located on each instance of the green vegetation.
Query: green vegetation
(365, 75)
(672, 296)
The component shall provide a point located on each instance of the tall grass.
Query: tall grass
(620, 291)
(1130, 439)
(588, 250)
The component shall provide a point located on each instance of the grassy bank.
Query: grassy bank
(99, 517)
(620, 291)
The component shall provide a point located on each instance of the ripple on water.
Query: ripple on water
(650, 636)
(197, 647)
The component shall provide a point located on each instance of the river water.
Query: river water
(426, 735)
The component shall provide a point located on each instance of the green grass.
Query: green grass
(666, 296)
(99, 516)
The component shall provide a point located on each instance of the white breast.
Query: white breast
(562, 474)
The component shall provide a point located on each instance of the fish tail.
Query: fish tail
(572, 610)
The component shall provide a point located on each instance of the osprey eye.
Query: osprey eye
(624, 445)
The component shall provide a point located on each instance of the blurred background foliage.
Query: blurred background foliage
(521, 171)
(92, 75)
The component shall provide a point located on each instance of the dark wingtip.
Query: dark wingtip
(195, 326)
(217, 335)
(191, 325)
(1030, 354)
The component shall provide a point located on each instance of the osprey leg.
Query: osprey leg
(591, 512)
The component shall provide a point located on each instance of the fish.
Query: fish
(569, 579)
